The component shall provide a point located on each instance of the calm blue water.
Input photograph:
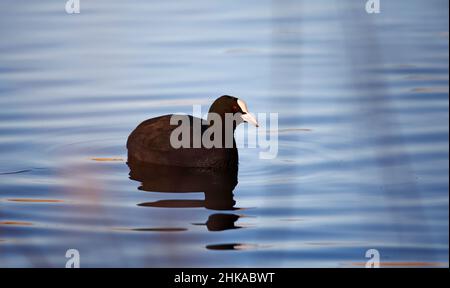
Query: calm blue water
(363, 103)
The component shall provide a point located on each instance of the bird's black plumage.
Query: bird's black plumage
(150, 141)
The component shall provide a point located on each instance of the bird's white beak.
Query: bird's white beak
(250, 119)
(246, 116)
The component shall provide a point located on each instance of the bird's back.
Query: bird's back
(150, 143)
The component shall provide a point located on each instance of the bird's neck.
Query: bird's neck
(226, 129)
(218, 116)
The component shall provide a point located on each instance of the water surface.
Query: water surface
(363, 132)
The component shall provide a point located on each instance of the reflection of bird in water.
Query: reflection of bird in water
(218, 187)
(219, 222)
(151, 141)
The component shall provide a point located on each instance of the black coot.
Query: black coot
(150, 141)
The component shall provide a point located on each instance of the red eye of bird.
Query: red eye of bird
(235, 108)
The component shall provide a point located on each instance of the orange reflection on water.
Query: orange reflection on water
(28, 200)
(405, 264)
(16, 223)
(107, 159)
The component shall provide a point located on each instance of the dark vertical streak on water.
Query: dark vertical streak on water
(279, 72)
(373, 111)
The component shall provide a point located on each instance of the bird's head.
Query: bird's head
(236, 107)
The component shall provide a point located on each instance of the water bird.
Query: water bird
(150, 142)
